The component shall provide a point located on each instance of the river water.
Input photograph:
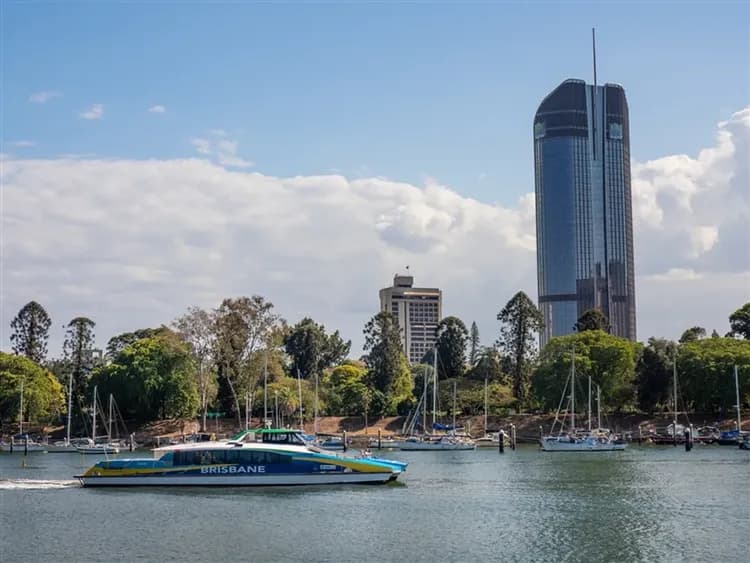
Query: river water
(644, 504)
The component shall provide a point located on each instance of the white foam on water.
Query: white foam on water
(36, 484)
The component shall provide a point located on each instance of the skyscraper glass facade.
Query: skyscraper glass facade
(584, 220)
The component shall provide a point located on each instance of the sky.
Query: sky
(158, 155)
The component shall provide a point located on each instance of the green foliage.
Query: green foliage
(593, 319)
(346, 390)
(311, 350)
(739, 322)
(243, 326)
(692, 334)
(388, 368)
(609, 360)
(521, 320)
(470, 397)
(30, 332)
(118, 343)
(474, 345)
(152, 378)
(195, 328)
(452, 338)
(705, 373)
(79, 361)
(654, 374)
(489, 366)
(43, 397)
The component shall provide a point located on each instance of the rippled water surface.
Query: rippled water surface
(644, 504)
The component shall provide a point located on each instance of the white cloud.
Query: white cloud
(146, 239)
(22, 144)
(94, 112)
(221, 149)
(157, 109)
(44, 97)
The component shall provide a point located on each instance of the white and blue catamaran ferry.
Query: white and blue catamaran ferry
(260, 457)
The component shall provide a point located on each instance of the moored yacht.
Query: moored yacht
(274, 457)
(575, 440)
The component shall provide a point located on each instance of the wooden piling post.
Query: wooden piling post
(501, 441)
(380, 437)
(513, 437)
(344, 440)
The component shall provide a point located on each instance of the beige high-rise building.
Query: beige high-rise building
(418, 310)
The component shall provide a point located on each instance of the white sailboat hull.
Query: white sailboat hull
(21, 448)
(98, 449)
(435, 446)
(564, 444)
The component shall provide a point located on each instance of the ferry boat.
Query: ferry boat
(260, 457)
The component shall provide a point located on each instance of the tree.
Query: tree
(312, 350)
(489, 366)
(243, 326)
(43, 398)
(654, 373)
(388, 368)
(118, 343)
(739, 321)
(31, 332)
(705, 373)
(196, 328)
(609, 360)
(474, 345)
(692, 334)
(593, 319)
(78, 357)
(451, 342)
(520, 319)
(152, 378)
(346, 390)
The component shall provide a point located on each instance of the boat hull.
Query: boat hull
(21, 448)
(583, 446)
(98, 451)
(271, 480)
(417, 447)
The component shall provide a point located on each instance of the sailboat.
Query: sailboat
(736, 437)
(91, 447)
(449, 441)
(65, 446)
(21, 442)
(490, 439)
(572, 440)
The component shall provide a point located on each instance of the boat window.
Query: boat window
(283, 438)
(251, 457)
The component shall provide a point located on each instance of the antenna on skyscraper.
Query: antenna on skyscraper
(593, 95)
(593, 44)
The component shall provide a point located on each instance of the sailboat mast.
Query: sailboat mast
(424, 403)
(598, 407)
(299, 390)
(485, 406)
(247, 410)
(454, 406)
(109, 421)
(265, 387)
(315, 406)
(93, 415)
(737, 391)
(573, 394)
(434, 385)
(590, 403)
(70, 408)
(20, 412)
(674, 389)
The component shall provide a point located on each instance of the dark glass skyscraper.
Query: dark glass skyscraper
(584, 224)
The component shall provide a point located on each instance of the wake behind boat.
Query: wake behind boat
(275, 457)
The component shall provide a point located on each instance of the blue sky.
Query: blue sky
(418, 114)
(400, 90)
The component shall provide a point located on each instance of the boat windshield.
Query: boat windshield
(282, 438)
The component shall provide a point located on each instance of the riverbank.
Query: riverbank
(528, 426)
